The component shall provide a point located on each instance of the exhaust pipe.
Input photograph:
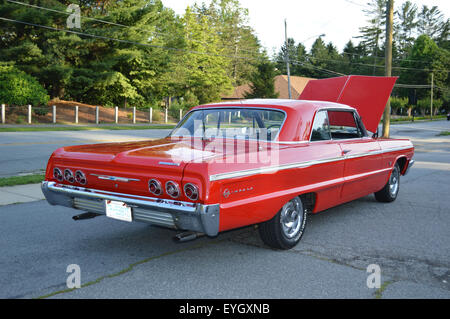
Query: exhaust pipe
(187, 236)
(85, 216)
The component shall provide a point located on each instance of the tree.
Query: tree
(431, 22)
(406, 25)
(205, 74)
(236, 37)
(372, 35)
(19, 88)
(263, 82)
(425, 58)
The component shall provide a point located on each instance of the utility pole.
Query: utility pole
(287, 59)
(388, 62)
(432, 87)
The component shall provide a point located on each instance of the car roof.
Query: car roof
(299, 113)
(283, 104)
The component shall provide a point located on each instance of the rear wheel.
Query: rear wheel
(285, 230)
(390, 190)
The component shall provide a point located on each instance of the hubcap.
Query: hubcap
(394, 181)
(292, 218)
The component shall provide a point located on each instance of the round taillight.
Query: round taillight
(155, 187)
(57, 174)
(191, 191)
(80, 177)
(68, 176)
(172, 189)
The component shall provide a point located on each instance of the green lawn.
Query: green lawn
(21, 180)
(83, 128)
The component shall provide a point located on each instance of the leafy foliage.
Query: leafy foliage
(19, 88)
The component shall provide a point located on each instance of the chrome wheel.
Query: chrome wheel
(394, 181)
(291, 218)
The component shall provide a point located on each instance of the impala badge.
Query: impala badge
(115, 178)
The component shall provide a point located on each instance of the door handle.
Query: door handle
(345, 152)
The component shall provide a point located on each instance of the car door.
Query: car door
(361, 165)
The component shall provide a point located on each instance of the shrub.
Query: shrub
(19, 88)
(398, 103)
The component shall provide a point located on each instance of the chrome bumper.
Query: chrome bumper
(168, 213)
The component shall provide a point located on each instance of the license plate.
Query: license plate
(118, 210)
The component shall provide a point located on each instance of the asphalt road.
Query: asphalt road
(409, 239)
(28, 152)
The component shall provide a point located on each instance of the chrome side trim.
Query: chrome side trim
(115, 178)
(270, 169)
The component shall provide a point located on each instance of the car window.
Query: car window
(321, 127)
(243, 123)
(343, 125)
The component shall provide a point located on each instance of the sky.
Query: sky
(339, 20)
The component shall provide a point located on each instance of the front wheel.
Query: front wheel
(390, 190)
(285, 230)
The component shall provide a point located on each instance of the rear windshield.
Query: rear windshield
(240, 123)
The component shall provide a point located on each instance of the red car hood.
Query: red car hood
(367, 94)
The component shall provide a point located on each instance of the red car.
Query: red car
(229, 165)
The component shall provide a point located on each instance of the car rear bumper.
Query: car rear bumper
(167, 213)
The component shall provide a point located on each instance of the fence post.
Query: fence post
(3, 114)
(151, 115)
(134, 114)
(29, 114)
(76, 114)
(166, 117)
(96, 115)
(181, 114)
(116, 114)
(54, 114)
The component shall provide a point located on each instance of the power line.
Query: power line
(117, 24)
(126, 41)
(379, 66)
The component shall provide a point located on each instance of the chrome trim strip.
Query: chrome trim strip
(269, 169)
(169, 164)
(115, 178)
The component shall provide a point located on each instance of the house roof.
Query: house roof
(298, 83)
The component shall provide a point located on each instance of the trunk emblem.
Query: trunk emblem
(115, 178)
(169, 164)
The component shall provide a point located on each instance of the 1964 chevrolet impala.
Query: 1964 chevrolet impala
(229, 165)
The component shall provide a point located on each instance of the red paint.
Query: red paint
(249, 199)
(367, 94)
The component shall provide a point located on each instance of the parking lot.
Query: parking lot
(409, 239)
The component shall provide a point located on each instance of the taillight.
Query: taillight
(155, 187)
(57, 174)
(172, 189)
(80, 177)
(191, 191)
(68, 176)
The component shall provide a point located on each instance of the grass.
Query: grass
(444, 133)
(417, 118)
(83, 128)
(21, 180)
